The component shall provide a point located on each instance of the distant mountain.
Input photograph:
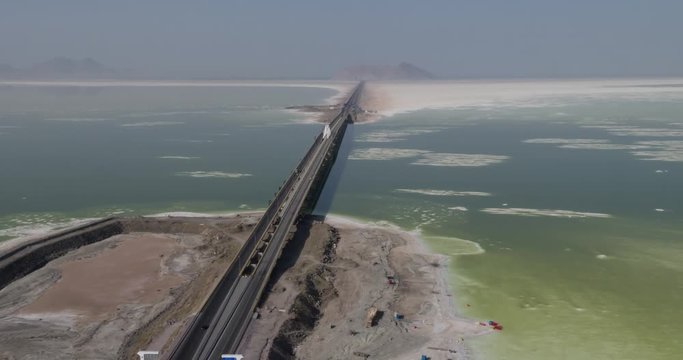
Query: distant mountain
(60, 68)
(402, 71)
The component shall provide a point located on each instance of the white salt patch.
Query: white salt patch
(663, 155)
(433, 192)
(153, 123)
(425, 157)
(648, 132)
(378, 138)
(631, 130)
(35, 227)
(401, 97)
(384, 153)
(77, 119)
(658, 150)
(173, 157)
(544, 212)
(346, 221)
(608, 127)
(604, 146)
(670, 144)
(183, 214)
(565, 141)
(212, 174)
(586, 144)
(448, 159)
(166, 113)
(196, 214)
(190, 141)
(663, 150)
(393, 135)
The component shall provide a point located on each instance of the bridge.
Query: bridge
(220, 325)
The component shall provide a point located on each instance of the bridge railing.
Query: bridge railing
(242, 259)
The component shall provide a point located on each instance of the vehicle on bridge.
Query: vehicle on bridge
(327, 132)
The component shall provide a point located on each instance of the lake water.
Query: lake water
(557, 224)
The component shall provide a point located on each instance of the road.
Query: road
(219, 327)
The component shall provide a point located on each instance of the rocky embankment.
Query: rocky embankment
(358, 291)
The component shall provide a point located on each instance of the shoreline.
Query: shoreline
(413, 248)
(430, 321)
(341, 88)
(421, 244)
(324, 84)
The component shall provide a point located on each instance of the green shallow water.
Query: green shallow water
(563, 288)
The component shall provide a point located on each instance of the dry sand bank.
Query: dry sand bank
(390, 98)
(318, 306)
(112, 298)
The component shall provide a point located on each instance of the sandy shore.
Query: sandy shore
(318, 306)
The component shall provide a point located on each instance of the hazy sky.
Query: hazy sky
(313, 38)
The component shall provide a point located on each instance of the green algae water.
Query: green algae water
(579, 248)
(563, 222)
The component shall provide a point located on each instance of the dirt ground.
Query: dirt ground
(365, 259)
(140, 289)
(317, 308)
(301, 256)
(110, 299)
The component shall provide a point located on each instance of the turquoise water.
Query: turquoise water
(605, 283)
